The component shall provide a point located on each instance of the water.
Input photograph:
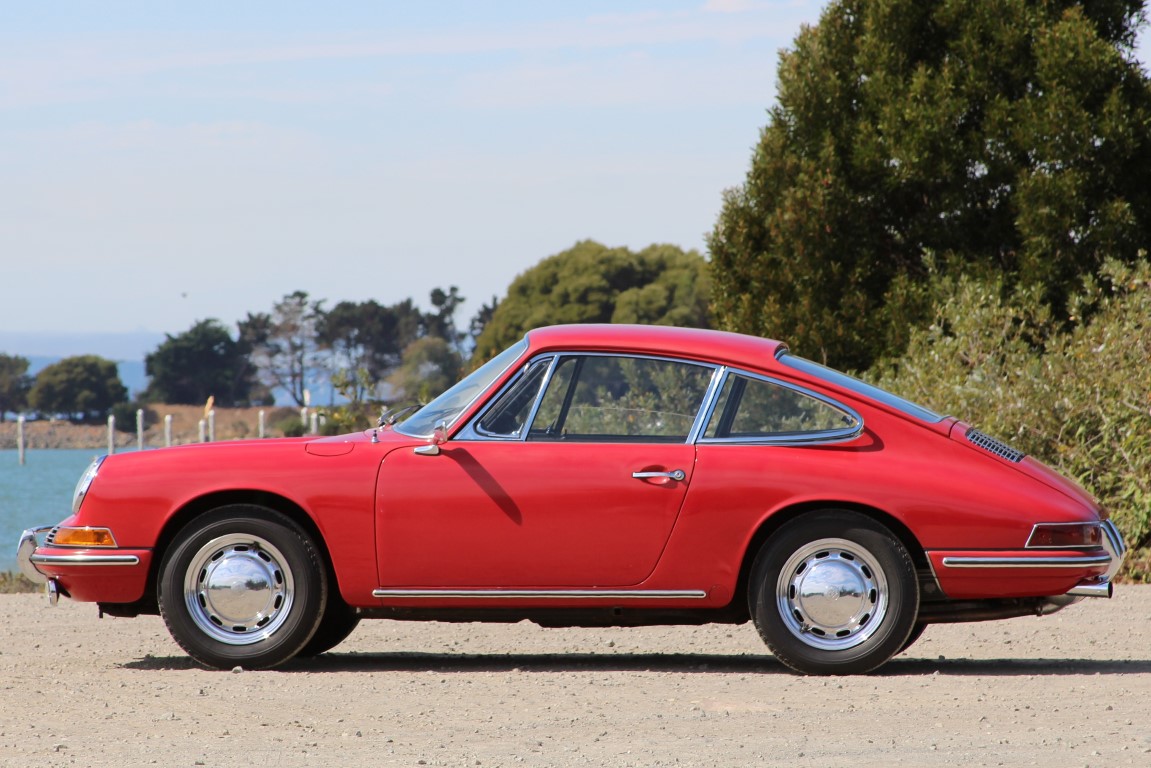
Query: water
(38, 493)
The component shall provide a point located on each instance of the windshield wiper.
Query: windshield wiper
(391, 415)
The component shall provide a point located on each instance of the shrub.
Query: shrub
(1079, 400)
(125, 414)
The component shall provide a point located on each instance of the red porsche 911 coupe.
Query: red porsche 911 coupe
(592, 475)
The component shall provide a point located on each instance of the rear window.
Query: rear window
(853, 384)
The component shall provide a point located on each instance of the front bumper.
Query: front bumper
(24, 551)
(85, 574)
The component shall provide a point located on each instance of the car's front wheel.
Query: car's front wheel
(834, 592)
(242, 586)
(338, 622)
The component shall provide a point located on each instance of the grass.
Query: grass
(16, 583)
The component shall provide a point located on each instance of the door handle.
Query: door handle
(675, 474)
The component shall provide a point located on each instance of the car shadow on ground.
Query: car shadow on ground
(683, 663)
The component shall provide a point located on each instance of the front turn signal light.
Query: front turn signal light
(83, 537)
(1065, 536)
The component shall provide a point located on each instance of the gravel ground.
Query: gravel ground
(1071, 689)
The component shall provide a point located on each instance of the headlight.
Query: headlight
(85, 483)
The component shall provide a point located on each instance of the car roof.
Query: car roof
(694, 343)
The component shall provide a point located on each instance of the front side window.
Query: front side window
(448, 406)
(509, 414)
(755, 409)
(620, 399)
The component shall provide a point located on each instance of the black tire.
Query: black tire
(338, 622)
(916, 633)
(834, 593)
(242, 586)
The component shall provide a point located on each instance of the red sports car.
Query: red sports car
(591, 476)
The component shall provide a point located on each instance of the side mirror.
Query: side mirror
(439, 437)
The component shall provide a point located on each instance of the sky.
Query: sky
(163, 163)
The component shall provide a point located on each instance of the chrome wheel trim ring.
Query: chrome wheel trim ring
(832, 595)
(238, 589)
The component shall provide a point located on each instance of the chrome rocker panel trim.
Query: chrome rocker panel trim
(554, 594)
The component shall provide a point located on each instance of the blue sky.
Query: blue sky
(163, 163)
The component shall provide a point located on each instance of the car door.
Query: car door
(572, 477)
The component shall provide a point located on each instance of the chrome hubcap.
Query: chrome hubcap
(831, 594)
(238, 589)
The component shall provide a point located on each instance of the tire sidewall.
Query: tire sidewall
(889, 554)
(300, 555)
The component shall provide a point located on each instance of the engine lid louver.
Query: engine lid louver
(990, 444)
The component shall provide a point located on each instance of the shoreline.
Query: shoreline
(230, 424)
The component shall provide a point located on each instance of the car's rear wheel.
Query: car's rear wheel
(242, 586)
(834, 592)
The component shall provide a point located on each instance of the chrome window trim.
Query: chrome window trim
(710, 397)
(472, 432)
(547, 382)
(789, 438)
(551, 594)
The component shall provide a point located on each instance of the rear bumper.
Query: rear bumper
(1078, 573)
(84, 574)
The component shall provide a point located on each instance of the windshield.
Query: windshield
(455, 401)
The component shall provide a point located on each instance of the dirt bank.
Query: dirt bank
(1066, 690)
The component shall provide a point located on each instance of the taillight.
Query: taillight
(1065, 536)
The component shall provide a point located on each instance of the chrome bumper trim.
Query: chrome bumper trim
(1101, 586)
(85, 559)
(554, 594)
(1113, 543)
(1096, 586)
(27, 557)
(24, 552)
(1081, 561)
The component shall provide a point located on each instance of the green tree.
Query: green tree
(442, 322)
(84, 387)
(366, 340)
(481, 319)
(591, 283)
(430, 366)
(203, 361)
(284, 345)
(14, 384)
(1010, 137)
